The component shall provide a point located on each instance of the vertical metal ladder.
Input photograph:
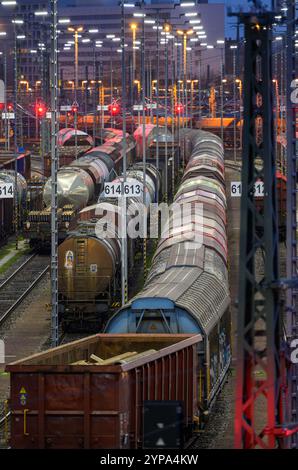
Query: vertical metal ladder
(81, 268)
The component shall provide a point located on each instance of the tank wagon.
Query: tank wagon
(66, 138)
(83, 180)
(8, 162)
(66, 141)
(165, 140)
(78, 185)
(151, 134)
(187, 288)
(89, 260)
(106, 134)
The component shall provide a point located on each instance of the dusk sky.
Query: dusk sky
(230, 30)
(244, 4)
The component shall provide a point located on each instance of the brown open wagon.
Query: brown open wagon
(58, 404)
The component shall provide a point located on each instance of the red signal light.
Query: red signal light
(40, 110)
(114, 109)
(179, 108)
(75, 109)
(9, 107)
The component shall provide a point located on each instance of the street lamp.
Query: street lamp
(239, 82)
(187, 4)
(6, 120)
(167, 29)
(185, 34)
(15, 22)
(95, 82)
(76, 32)
(111, 36)
(234, 48)
(64, 21)
(221, 42)
(133, 28)
(41, 13)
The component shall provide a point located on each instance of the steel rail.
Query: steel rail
(4, 418)
(23, 296)
(7, 281)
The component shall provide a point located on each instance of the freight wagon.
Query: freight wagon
(168, 154)
(90, 262)
(78, 185)
(67, 151)
(91, 394)
(7, 162)
(187, 288)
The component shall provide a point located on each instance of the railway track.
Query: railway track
(5, 430)
(233, 166)
(21, 282)
(13, 291)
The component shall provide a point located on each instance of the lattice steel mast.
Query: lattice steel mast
(292, 260)
(258, 374)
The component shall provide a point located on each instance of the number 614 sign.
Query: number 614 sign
(6, 191)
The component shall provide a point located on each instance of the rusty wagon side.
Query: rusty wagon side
(57, 404)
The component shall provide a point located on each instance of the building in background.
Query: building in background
(108, 22)
(99, 53)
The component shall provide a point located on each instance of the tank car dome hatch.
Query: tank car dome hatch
(74, 186)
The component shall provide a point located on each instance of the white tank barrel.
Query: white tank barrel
(74, 186)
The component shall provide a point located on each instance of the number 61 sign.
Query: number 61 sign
(236, 189)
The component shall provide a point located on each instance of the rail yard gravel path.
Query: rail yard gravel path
(219, 432)
(26, 332)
